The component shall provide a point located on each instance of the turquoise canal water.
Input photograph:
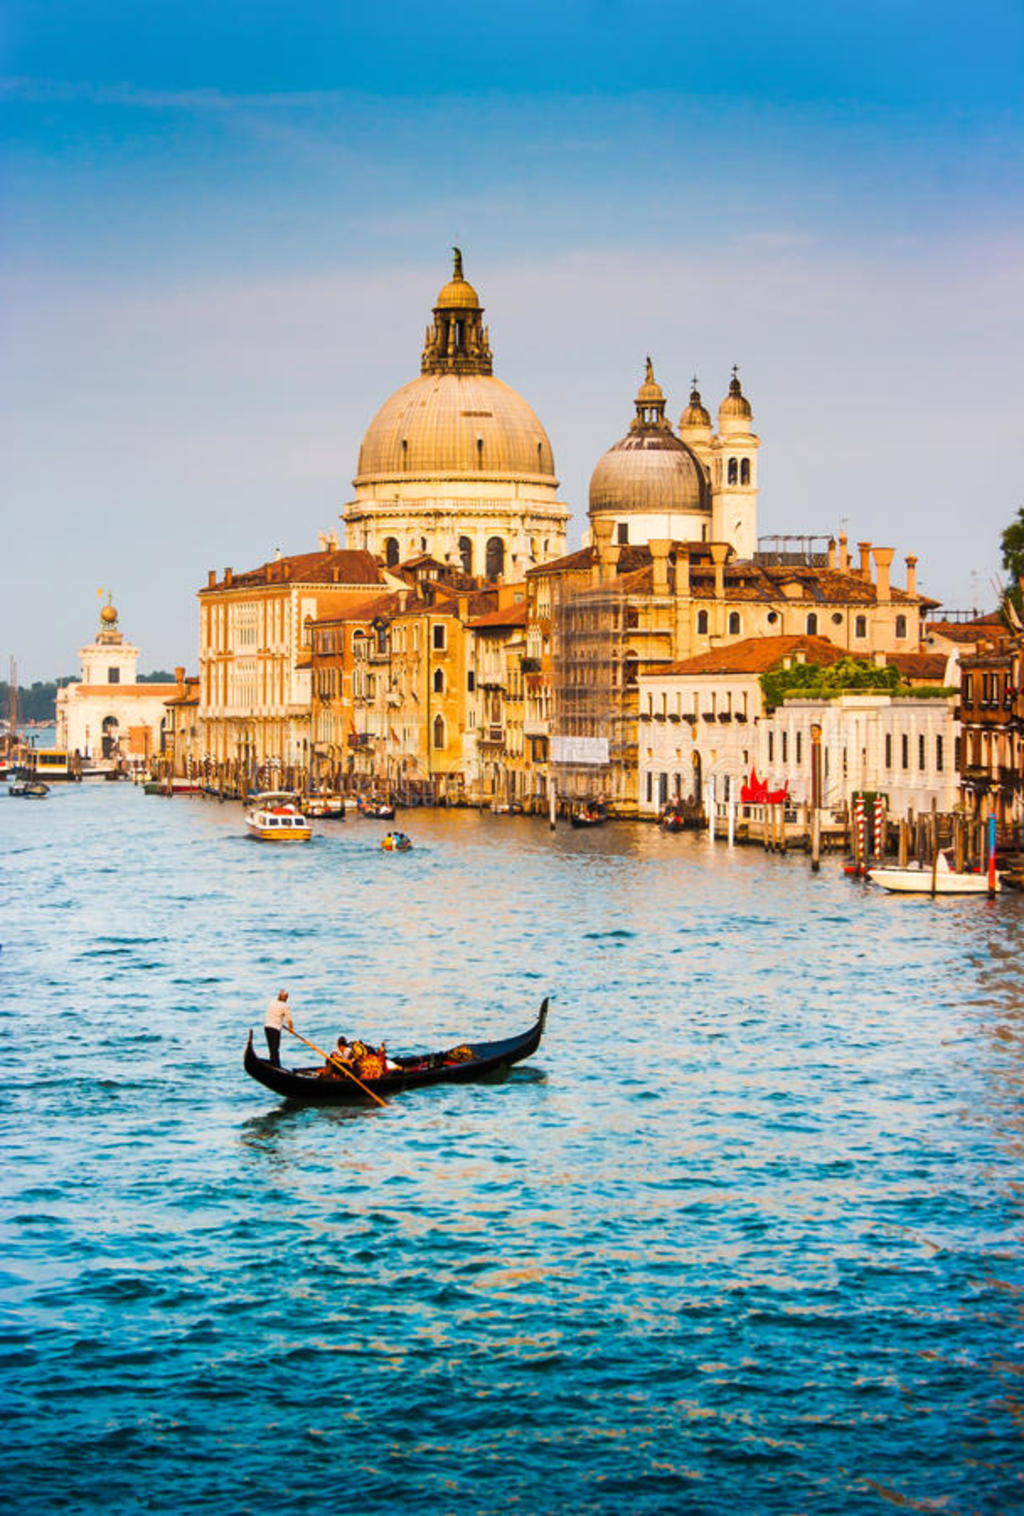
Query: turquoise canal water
(745, 1235)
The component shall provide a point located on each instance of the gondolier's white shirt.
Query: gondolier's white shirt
(278, 1012)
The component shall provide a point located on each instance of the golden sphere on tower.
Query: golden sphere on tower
(108, 615)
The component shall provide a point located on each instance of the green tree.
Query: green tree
(1012, 544)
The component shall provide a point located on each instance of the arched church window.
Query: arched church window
(391, 552)
(901, 626)
(734, 470)
(812, 625)
(466, 554)
(439, 681)
(734, 623)
(860, 626)
(439, 731)
(495, 557)
(630, 667)
(745, 471)
(702, 623)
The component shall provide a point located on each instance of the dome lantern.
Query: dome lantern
(458, 342)
(695, 415)
(650, 404)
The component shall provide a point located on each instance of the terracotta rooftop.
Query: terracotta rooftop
(364, 609)
(342, 567)
(930, 667)
(756, 655)
(512, 615)
(964, 631)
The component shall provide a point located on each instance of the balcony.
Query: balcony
(491, 736)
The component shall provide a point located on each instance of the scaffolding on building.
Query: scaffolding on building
(593, 688)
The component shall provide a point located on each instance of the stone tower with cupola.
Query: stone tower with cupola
(733, 467)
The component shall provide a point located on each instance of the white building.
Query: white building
(109, 717)
(704, 720)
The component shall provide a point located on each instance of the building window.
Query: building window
(901, 626)
(650, 786)
(629, 670)
(860, 626)
(956, 753)
(439, 731)
(905, 751)
(734, 470)
(495, 557)
(888, 750)
(799, 748)
(113, 676)
(938, 754)
(438, 633)
(785, 747)
(391, 552)
(702, 623)
(466, 555)
(734, 623)
(622, 533)
(771, 747)
(920, 752)
(471, 681)
(439, 681)
(745, 471)
(812, 625)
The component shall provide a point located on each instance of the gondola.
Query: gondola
(458, 1065)
(591, 813)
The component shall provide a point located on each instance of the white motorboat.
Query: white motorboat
(918, 880)
(275, 816)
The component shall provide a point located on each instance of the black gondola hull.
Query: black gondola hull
(490, 1060)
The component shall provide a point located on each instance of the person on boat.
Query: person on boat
(278, 1015)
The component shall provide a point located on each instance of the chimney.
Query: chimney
(607, 553)
(211, 579)
(229, 577)
(463, 607)
(179, 678)
(332, 541)
(833, 556)
(911, 563)
(844, 556)
(287, 570)
(682, 569)
(321, 538)
(334, 575)
(865, 561)
(267, 572)
(883, 563)
(403, 599)
(660, 547)
(719, 553)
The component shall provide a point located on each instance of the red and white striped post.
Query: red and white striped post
(858, 821)
(879, 825)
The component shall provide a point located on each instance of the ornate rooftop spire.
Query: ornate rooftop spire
(457, 342)
(650, 404)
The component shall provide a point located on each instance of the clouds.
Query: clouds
(223, 241)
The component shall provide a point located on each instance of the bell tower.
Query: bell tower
(734, 473)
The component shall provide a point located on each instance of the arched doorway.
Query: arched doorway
(110, 737)
(391, 552)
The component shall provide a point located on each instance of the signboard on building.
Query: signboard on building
(579, 750)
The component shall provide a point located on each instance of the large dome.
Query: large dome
(455, 424)
(650, 469)
(647, 472)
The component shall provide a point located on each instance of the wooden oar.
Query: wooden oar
(336, 1061)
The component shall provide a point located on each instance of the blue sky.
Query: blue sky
(224, 226)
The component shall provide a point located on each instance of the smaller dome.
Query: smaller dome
(735, 406)
(458, 293)
(694, 414)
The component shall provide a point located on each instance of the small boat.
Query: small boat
(325, 807)
(376, 810)
(918, 880)
(396, 842)
(275, 817)
(457, 1065)
(28, 789)
(591, 813)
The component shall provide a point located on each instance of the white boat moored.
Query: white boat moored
(919, 881)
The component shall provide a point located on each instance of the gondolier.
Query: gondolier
(278, 1016)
